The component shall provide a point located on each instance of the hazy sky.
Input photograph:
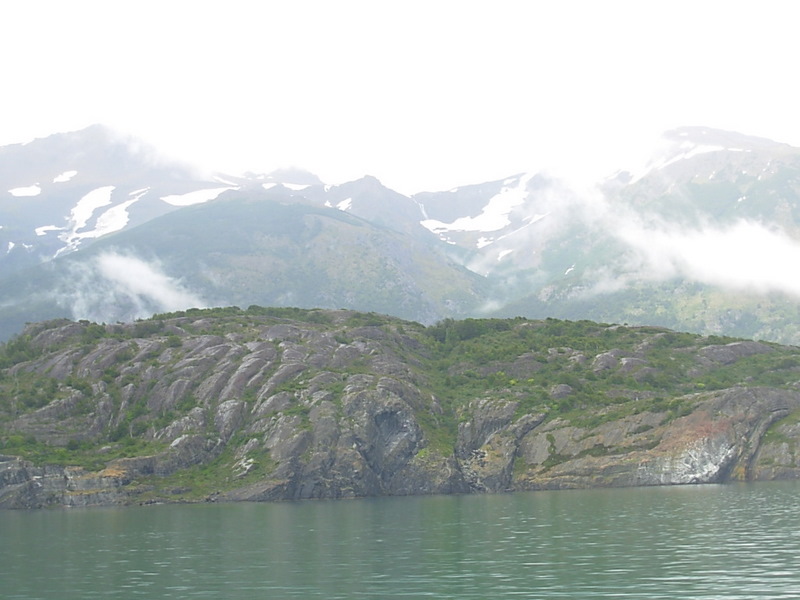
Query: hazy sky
(424, 95)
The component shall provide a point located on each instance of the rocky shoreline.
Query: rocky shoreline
(289, 411)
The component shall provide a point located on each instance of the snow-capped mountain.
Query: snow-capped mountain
(94, 226)
(59, 193)
(703, 236)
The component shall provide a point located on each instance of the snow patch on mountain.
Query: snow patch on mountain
(421, 206)
(503, 254)
(531, 219)
(21, 192)
(80, 214)
(196, 197)
(114, 219)
(84, 209)
(494, 216)
(12, 245)
(527, 220)
(344, 205)
(40, 231)
(64, 177)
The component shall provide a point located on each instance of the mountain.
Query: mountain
(146, 237)
(284, 403)
(702, 237)
(64, 191)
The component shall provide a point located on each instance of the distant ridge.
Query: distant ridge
(701, 238)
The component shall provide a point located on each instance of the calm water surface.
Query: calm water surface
(720, 542)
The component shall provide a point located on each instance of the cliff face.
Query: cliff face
(720, 440)
(247, 405)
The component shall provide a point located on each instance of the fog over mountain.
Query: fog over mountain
(703, 236)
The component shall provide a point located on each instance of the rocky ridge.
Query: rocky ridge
(284, 404)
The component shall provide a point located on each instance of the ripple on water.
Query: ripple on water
(721, 542)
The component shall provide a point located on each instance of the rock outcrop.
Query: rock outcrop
(246, 406)
(718, 441)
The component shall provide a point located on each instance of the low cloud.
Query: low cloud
(745, 256)
(139, 279)
(121, 287)
(551, 207)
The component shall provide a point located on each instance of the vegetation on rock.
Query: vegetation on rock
(283, 403)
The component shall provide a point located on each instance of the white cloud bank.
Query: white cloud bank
(138, 279)
(745, 256)
(119, 287)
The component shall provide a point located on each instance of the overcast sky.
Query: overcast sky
(424, 95)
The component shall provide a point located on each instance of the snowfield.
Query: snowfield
(196, 197)
(64, 177)
(494, 216)
(31, 190)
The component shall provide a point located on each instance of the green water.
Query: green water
(720, 542)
